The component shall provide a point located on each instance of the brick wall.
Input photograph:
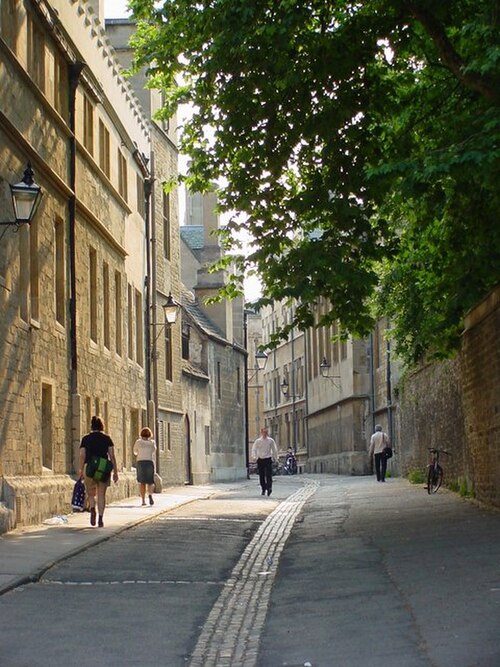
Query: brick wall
(455, 405)
(481, 389)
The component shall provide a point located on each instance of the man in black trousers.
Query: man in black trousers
(264, 450)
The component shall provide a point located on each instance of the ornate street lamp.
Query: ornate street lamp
(26, 196)
(170, 310)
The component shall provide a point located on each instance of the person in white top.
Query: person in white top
(264, 451)
(378, 442)
(145, 450)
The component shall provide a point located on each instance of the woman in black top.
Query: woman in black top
(97, 443)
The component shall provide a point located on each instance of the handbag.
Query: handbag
(387, 452)
(78, 497)
(99, 469)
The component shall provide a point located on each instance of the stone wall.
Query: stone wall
(481, 390)
(432, 415)
(454, 405)
(31, 499)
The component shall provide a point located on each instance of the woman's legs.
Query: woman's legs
(91, 500)
(142, 488)
(101, 500)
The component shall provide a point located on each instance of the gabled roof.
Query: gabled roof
(193, 236)
(200, 318)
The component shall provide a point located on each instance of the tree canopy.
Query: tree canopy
(357, 142)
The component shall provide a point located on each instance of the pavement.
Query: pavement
(27, 552)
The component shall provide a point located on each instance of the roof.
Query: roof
(204, 323)
(193, 236)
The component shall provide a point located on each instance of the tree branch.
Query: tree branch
(449, 56)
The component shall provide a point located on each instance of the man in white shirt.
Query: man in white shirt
(378, 442)
(264, 451)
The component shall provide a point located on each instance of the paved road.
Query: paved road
(331, 571)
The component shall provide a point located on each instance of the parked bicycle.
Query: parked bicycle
(435, 471)
(290, 467)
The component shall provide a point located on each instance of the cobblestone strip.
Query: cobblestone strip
(231, 634)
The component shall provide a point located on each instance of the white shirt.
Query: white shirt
(145, 449)
(264, 448)
(378, 442)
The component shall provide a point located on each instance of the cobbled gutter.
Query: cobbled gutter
(231, 634)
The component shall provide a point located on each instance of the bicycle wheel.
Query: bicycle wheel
(434, 478)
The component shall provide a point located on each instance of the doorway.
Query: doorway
(187, 440)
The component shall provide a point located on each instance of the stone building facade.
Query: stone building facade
(163, 346)
(328, 417)
(72, 283)
(215, 350)
(255, 377)
(285, 386)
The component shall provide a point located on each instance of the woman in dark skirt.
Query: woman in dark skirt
(145, 450)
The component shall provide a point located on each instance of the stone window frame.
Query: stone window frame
(122, 175)
(36, 52)
(88, 124)
(104, 149)
(59, 271)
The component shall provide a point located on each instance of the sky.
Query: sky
(115, 9)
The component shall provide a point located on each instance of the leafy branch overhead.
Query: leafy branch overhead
(358, 142)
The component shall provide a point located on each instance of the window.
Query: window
(238, 385)
(36, 53)
(141, 204)
(186, 329)
(165, 122)
(28, 272)
(60, 85)
(9, 27)
(118, 313)
(218, 380)
(335, 345)
(88, 412)
(130, 322)
(105, 305)
(34, 271)
(169, 437)
(93, 294)
(207, 440)
(104, 161)
(168, 354)
(59, 272)
(139, 338)
(166, 224)
(88, 125)
(122, 175)
(46, 420)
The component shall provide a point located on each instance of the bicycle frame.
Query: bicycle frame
(435, 471)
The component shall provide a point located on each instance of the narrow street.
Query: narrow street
(330, 571)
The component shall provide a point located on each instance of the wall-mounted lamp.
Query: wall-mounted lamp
(324, 368)
(260, 361)
(26, 197)
(170, 310)
(284, 390)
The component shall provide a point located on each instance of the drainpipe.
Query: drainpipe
(245, 345)
(153, 348)
(372, 382)
(389, 392)
(147, 285)
(75, 69)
